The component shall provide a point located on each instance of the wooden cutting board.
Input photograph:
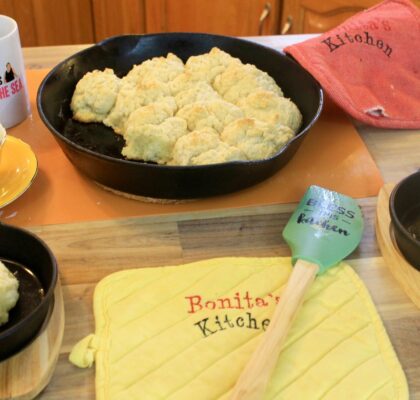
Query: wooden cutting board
(406, 275)
(87, 252)
(24, 375)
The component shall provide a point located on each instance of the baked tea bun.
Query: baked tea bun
(239, 81)
(204, 147)
(206, 67)
(152, 131)
(256, 139)
(213, 114)
(269, 107)
(95, 95)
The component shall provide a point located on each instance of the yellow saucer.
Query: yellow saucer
(18, 168)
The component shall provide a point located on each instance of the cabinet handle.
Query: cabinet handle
(287, 25)
(263, 17)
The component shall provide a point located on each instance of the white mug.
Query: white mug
(14, 100)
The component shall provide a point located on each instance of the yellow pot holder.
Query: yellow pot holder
(186, 333)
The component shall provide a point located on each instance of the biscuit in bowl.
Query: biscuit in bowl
(95, 95)
(258, 140)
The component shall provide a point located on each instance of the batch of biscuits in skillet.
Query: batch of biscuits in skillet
(212, 109)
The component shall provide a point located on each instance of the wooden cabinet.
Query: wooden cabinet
(228, 17)
(63, 22)
(22, 12)
(51, 22)
(117, 17)
(313, 16)
(55, 22)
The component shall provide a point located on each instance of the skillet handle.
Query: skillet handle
(253, 381)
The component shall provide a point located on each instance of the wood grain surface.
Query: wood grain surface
(118, 18)
(87, 252)
(26, 374)
(234, 17)
(53, 22)
(407, 276)
(253, 380)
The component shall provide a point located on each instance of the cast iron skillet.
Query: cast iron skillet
(95, 150)
(36, 269)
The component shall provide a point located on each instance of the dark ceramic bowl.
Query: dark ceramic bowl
(96, 151)
(29, 258)
(404, 206)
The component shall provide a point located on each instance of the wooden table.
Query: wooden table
(87, 252)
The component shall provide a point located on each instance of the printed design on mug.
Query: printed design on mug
(10, 81)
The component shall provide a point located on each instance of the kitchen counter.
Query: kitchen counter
(87, 252)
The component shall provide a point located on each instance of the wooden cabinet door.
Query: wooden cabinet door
(51, 22)
(63, 22)
(313, 16)
(227, 17)
(22, 12)
(118, 17)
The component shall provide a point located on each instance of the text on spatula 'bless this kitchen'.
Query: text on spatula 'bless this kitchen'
(323, 213)
(222, 321)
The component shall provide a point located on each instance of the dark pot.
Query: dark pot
(404, 206)
(27, 255)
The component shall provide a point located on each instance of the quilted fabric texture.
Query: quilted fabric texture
(186, 332)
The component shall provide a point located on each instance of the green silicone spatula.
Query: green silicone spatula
(325, 228)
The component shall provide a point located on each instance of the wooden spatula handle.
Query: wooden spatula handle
(253, 381)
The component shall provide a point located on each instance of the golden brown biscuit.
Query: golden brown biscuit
(154, 142)
(184, 81)
(132, 96)
(220, 154)
(214, 114)
(206, 67)
(161, 69)
(203, 147)
(258, 140)
(95, 95)
(269, 107)
(202, 91)
(154, 113)
(239, 81)
(151, 132)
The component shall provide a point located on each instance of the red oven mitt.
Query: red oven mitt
(370, 64)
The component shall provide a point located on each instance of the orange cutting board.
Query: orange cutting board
(333, 155)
